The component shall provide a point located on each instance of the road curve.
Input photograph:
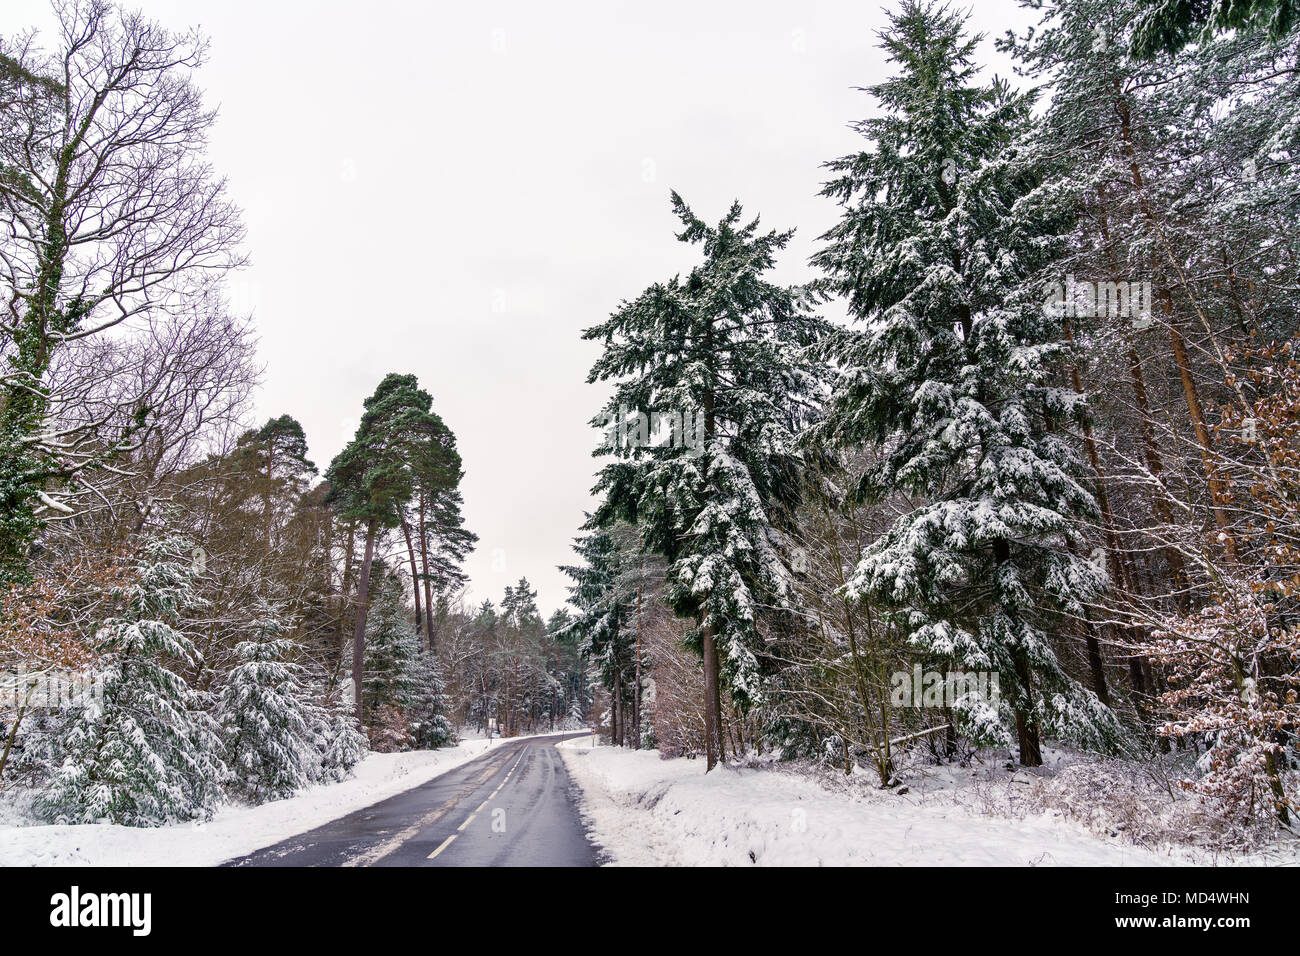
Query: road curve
(514, 806)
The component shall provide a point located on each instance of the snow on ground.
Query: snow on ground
(234, 830)
(646, 811)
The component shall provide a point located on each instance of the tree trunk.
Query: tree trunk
(1108, 525)
(1275, 784)
(327, 547)
(1203, 439)
(1096, 663)
(712, 705)
(636, 687)
(1156, 466)
(428, 586)
(359, 632)
(1031, 752)
(13, 730)
(415, 577)
(349, 560)
(1150, 452)
(618, 708)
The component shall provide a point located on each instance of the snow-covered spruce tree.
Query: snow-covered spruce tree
(147, 754)
(604, 613)
(392, 658)
(339, 743)
(727, 356)
(265, 718)
(392, 645)
(429, 725)
(944, 236)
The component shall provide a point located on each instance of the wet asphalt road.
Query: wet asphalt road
(514, 806)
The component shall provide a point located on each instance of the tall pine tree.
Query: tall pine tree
(370, 483)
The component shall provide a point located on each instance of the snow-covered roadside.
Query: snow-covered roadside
(233, 831)
(646, 811)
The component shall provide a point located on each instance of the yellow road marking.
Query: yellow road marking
(442, 846)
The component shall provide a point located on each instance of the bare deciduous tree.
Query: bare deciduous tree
(112, 219)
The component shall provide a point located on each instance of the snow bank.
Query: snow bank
(234, 831)
(646, 811)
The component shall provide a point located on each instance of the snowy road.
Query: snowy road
(514, 806)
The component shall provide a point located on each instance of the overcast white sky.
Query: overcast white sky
(457, 190)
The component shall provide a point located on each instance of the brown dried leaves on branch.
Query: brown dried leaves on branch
(51, 622)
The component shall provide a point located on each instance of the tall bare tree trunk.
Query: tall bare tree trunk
(428, 586)
(1031, 751)
(359, 632)
(636, 686)
(1204, 441)
(327, 548)
(713, 746)
(618, 707)
(1146, 428)
(415, 577)
(270, 482)
(349, 561)
(1095, 660)
(1096, 663)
